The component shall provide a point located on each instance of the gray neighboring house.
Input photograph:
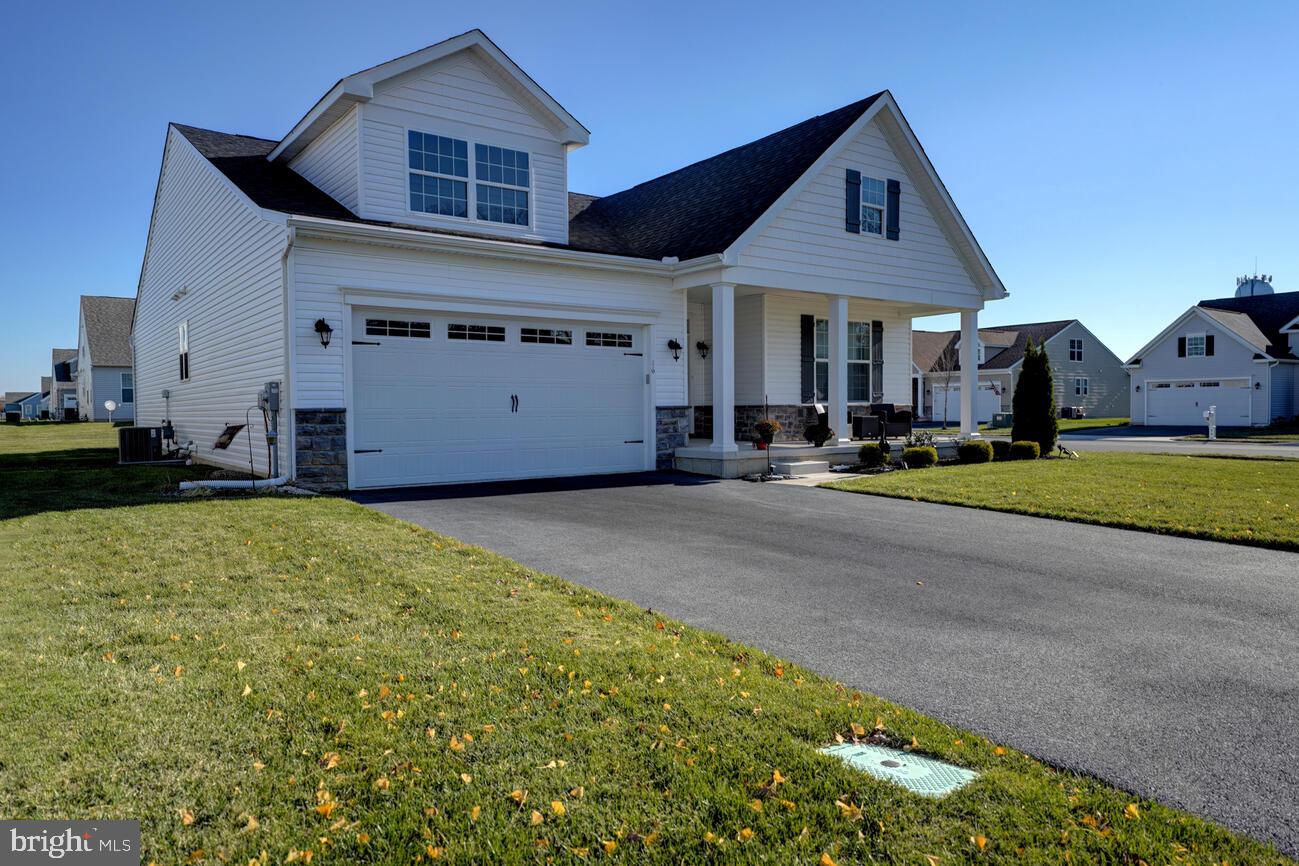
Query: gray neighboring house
(26, 402)
(63, 385)
(1087, 374)
(104, 361)
(1238, 354)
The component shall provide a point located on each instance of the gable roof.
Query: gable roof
(359, 87)
(1268, 314)
(929, 346)
(1239, 324)
(59, 359)
(704, 207)
(108, 329)
(18, 396)
(270, 185)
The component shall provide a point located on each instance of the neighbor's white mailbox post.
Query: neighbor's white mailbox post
(1212, 417)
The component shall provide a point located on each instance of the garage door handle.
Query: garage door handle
(367, 450)
(514, 402)
(364, 343)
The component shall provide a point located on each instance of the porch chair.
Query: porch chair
(897, 422)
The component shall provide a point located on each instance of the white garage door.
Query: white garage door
(439, 399)
(947, 400)
(1183, 403)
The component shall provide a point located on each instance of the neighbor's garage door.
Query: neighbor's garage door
(1181, 404)
(439, 399)
(947, 401)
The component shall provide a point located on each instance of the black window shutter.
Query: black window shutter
(1208, 345)
(877, 362)
(852, 202)
(1181, 347)
(807, 357)
(891, 213)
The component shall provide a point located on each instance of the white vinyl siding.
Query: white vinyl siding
(783, 345)
(1107, 381)
(324, 270)
(1231, 359)
(209, 240)
(330, 162)
(459, 98)
(1284, 380)
(749, 341)
(807, 240)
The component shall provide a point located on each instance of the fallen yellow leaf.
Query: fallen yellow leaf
(557, 807)
(827, 860)
(186, 817)
(536, 818)
(1131, 811)
(980, 842)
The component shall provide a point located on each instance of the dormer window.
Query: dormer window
(439, 171)
(872, 205)
(503, 184)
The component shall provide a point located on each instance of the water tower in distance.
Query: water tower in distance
(1250, 287)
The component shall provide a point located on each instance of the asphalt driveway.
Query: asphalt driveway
(1167, 666)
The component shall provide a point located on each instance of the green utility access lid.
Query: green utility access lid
(927, 776)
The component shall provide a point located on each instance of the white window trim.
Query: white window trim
(182, 350)
(472, 181)
(122, 386)
(1204, 348)
(1079, 350)
(881, 208)
(817, 361)
(1081, 386)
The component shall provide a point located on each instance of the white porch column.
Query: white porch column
(838, 385)
(969, 370)
(723, 353)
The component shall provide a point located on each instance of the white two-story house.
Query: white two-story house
(409, 263)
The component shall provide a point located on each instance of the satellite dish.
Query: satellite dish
(110, 405)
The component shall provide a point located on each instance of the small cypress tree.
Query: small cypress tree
(1034, 400)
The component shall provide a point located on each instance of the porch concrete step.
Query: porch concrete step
(799, 467)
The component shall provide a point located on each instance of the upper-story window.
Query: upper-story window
(503, 183)
(872, 205)
(1195, 345)
(440, 179)
(439, 172)
(1075, 349)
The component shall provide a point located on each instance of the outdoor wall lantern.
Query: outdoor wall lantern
(675, 347)
(1138, 389)
(1258, 386)
(324, 332)
(702, 348)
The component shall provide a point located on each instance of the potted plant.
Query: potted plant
(767, 429)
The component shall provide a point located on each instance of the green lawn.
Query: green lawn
(1247, 501)
(1066, 425)
(263, 680)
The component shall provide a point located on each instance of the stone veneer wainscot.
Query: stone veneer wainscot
(320, 448)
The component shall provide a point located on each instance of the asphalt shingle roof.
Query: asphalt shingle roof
(17, 396)
(1268, 313)
(59, 358)
(693, 211)
(108, 329)
(46, 384)
(927, 347)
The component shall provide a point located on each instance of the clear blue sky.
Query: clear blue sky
(1117, 161)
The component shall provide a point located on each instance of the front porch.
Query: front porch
(754, 353)
(699, 458)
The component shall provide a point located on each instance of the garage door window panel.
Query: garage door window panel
(610, 339)
(546, 336)
(476, 333)
(398, 328)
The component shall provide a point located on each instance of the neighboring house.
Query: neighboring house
(1085, 372)
(45, 397)
(63, 385)
(26, 403)
(104, 358)
(409, 264)
(1238, 354)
